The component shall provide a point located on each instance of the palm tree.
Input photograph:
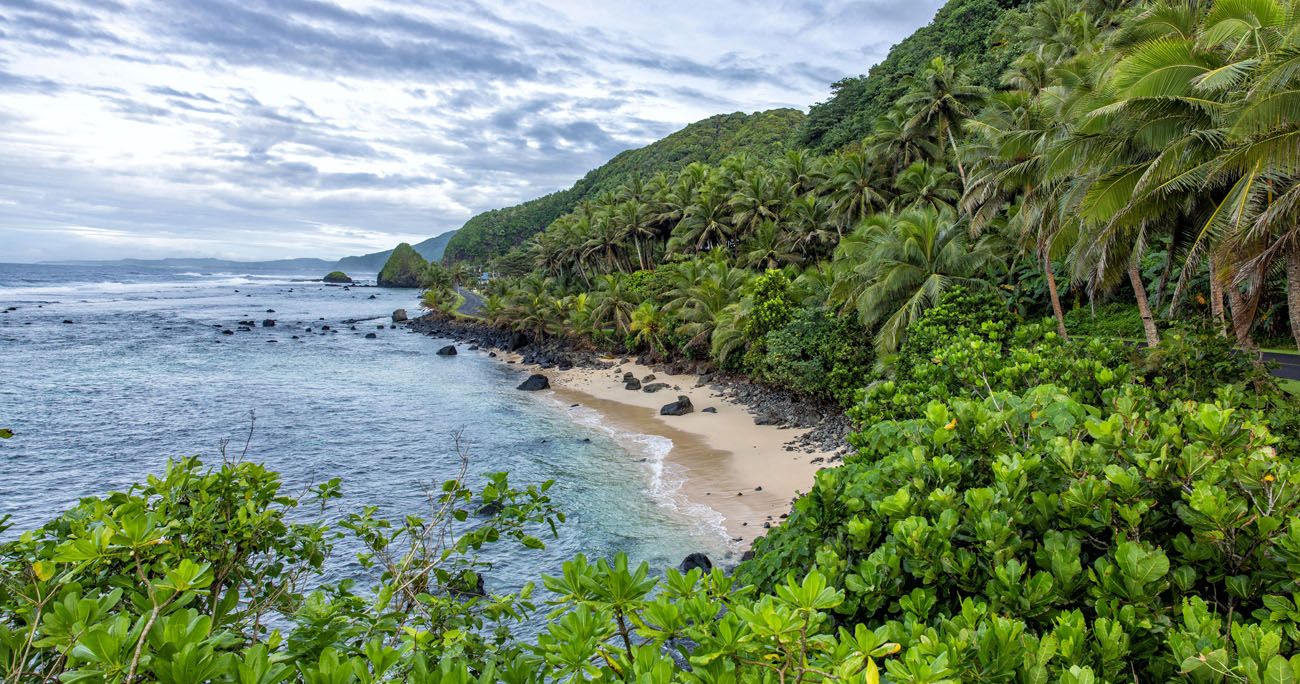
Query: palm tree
(613, 303)
(895, 266)
(893, 140)
(923, 184)
(650, 324)
(940, 99)
(801, 172)
(857, 190)
(757, 199)
(810, 225)
(768, 247)
(705, 224)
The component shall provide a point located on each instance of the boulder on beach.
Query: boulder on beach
(534, 383)
(654, 387)
(399, 315)
(710, 409)
(628, 377)
(449, 350)
(632, 384)
(695, 560)
(516, 342)
(680, 407)
(337, 277)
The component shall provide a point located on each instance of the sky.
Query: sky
(263, 129)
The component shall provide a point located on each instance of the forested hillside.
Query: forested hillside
(975, 31)
(431, 249)
(762, 135)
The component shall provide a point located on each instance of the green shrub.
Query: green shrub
(176, 580)
(820, 354)
(1023, 535)
(1115, 320)
(404, 268)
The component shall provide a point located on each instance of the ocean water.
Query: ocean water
(142, 374)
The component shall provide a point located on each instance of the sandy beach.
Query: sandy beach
(739, 469)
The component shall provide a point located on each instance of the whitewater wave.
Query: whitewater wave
(666, 479)
(115, 287)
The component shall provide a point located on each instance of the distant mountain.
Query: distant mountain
(431, 249)
(762, 135)
(319, 266)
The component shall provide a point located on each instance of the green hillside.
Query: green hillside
(762, 134)
(962, 29)
(431, 249)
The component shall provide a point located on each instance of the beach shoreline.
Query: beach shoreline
(748, 473)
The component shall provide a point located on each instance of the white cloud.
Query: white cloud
(222, 126)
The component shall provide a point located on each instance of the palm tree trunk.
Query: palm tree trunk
(1243, 314)
(956, 156)
(1293, 290)
(1055, 297)
(1144, 307)
(1216, 294)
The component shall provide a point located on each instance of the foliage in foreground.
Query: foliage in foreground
(199, 576)
(1031, 509)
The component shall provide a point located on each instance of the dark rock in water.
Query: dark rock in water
(710, 409)
(473, 347)
(244, 328)
(392, 327)
(380, 326)
(680, 407)
(492, 355)
(270, 310)
(767, 419)
(449, 350)
(654, 387)
(67, 321)
(632, 384)
(268, 323)
(227, 332)
(696, 560)
(535, 383)
(371, 297)
(295, 337)
(324, 327)
(371, 336)
(516, 342)
(353, 328)
(399, 315)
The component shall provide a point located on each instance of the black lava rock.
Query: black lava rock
(535, 383)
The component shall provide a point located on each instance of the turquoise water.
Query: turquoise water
(142, 374)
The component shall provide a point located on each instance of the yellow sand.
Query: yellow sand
(725, 457)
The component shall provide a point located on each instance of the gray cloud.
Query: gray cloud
(226, 126)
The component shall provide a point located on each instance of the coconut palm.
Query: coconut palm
(705, 224)
(768, 247)
(940, 98)
(613, 303)
(923, 184)
(857, 190)
(810, 226)
(895, 266)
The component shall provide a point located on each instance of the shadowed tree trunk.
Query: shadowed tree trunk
(1056, 299)
(1293, 291)
(1144, 307)
(1243, 313)
(1216, 294)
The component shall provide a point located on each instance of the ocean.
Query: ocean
(143, 373)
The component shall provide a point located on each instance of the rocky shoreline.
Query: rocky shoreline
(824, 422)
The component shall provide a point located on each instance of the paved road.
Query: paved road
(1288, 365)
(473, 304)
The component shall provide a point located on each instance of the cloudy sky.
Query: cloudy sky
(251, 129)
